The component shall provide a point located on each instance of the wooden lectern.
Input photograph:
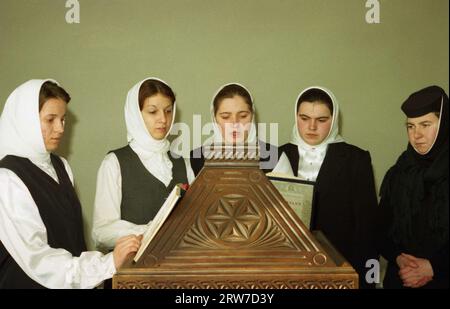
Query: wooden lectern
(233, 229)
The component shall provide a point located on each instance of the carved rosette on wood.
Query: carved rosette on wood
(232, 229)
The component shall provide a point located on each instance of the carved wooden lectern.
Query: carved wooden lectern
(233, 229)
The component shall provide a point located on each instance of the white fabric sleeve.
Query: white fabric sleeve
(107, 223)
(283, 166)
(24, 236)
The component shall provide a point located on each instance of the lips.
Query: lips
(236, 134)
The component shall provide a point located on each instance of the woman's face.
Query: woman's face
(157, 112)
(52, 118)
(313, 122)
(422, 132)
(234, 118)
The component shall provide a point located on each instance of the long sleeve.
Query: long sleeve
(387, 248)
(107, 223)
(439, 262)
(364, 208)
(365, 202)
(24, 236)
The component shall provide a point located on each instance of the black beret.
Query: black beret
(424, 101)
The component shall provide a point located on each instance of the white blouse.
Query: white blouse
(24, 236)
(310, 161)
(107, 223)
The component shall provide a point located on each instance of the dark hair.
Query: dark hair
(316, 95)
(231, 91)
(153, 87)
(50, 90)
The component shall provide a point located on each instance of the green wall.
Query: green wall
(275, 47)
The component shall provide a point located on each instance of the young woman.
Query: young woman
(41, 232)
(134, 181)
(345, 197)
(233, 116)
(414, 198)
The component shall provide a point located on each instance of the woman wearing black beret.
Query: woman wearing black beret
(414, 198)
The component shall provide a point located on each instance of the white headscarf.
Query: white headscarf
(311, 157)
(20, 126)
(218, 138)
(152, 151)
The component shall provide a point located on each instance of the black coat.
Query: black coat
(345, 202)
(439, 257)
(408, 184)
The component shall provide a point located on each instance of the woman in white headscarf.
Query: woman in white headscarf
(134, 181)
(42, 242)
(233, 116)
(345, 197)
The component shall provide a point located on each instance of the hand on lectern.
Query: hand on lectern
(124, 246)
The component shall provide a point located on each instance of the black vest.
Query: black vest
(59, 208)
(142, 193)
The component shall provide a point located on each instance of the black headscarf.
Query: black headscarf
(417, 181)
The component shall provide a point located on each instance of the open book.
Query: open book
(158, 220)
(282, 176)
(298, 193)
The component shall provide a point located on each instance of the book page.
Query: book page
(298, 193)
(158, 220)
(282, 175)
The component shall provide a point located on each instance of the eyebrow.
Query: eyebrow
(156, 107)
(321, 117)
(227, 113)
(422, 122)
(53, 115)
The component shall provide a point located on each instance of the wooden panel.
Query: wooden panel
(233, 229)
